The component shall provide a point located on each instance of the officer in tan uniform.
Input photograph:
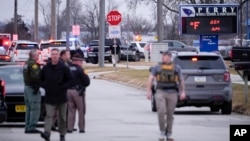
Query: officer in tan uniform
(169, 79)
(75, 94)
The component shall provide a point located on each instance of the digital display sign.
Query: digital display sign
(209, 19)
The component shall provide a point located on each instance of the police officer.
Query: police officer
(169, 82)
(75, 94)
(32, 95)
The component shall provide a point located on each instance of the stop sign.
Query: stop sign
(114, 18)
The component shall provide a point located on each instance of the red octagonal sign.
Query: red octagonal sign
(114, 18)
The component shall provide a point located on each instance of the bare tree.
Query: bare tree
(76, 10)
(46, 18)
(172, 5)
(140, 25)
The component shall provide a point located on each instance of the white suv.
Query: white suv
(47, 46)
(140, 46)
(19, 50)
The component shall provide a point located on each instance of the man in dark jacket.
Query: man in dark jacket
(55, 78)
(75, 94)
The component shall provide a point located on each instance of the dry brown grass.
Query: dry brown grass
(138, 78)
(239, 104)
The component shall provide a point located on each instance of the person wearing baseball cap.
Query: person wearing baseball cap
(170, 82)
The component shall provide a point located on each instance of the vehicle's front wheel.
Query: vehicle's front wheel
(226, 108)
(137, 58)
(94, 60)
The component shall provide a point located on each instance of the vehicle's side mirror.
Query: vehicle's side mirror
(182, 46)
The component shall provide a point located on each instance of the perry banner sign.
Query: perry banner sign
(209, 19)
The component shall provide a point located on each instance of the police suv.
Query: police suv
(47, 46)
(19, 50)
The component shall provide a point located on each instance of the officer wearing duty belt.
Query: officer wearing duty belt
(76, 94)
(169, 82)
(32, 96)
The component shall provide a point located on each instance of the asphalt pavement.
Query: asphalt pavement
(117, 112)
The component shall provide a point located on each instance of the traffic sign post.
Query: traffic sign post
(114, 17)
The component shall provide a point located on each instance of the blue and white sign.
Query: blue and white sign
(115, 31)
(208, 43)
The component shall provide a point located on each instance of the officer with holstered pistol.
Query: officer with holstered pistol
(75, 94)
(169, 83)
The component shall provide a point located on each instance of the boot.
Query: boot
(62, 138)
(45, 136)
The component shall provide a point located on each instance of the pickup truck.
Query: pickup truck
(240, 57)
(93, 50)
(3, 107)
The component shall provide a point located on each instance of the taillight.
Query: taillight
(6, 43)
(226, 76)
(3, 87)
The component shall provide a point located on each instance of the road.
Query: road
(120, 113)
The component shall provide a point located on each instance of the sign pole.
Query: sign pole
(101, 33)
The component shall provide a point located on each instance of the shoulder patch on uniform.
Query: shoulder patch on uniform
(168, 67)
(35, 66)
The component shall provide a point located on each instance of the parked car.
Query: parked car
(207, 81)
(3, 107)
(12, 74)
(130, 52)
(47, 46)
(173, 45)
(19, 50)
(140, 45)
(224, 49)
(93, 52)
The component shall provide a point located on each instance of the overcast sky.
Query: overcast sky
(26, 9)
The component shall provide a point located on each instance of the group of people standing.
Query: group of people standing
(64, 82)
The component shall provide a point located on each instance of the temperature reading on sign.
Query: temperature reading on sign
(195, 24)
(214, 22)
(215, 25)
(209, 25)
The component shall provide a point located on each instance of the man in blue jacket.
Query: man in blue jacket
(55, 78)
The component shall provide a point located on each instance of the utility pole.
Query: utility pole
(101, 33)
(53, 20)
(67, 23)
(160, 20)
(15, 17)
(36, 22)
